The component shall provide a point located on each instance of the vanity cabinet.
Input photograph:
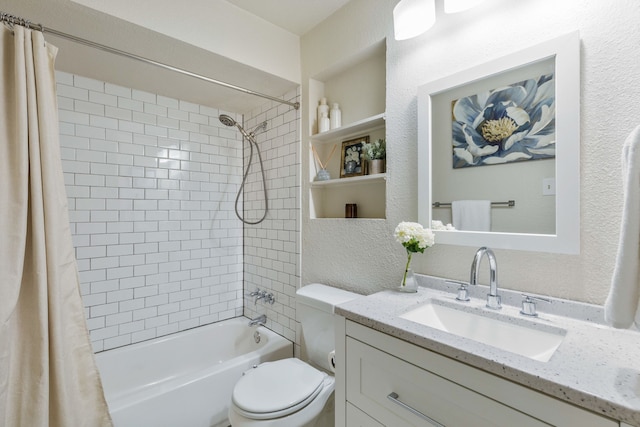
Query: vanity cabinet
(399, 384)
(359, 87)
(357, 418)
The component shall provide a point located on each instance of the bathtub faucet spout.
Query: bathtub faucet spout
(260, 320)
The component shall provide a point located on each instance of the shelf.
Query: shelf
(350, 181)
(368, 192)
(364, 125)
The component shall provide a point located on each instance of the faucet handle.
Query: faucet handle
(463, 292)
(270, 298)
(529, 305)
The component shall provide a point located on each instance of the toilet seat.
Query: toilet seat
(276, 389)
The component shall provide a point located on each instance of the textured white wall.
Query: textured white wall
(218, 26)
(364, 255)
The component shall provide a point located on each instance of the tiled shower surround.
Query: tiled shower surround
(151, 183)
(272, 248)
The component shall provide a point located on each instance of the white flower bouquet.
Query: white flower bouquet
(415, 238)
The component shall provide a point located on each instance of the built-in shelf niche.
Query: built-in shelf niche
(359, 87)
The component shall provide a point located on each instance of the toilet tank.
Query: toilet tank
(315, 304)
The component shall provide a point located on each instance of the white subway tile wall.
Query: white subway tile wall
(151, 183)
(272, 248)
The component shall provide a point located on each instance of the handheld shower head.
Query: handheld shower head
(229, 121)
(226, 120)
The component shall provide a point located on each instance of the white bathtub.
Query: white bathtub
(184, 379)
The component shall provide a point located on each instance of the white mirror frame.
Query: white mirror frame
(566, 51)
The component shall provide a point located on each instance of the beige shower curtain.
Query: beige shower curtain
(48, 375)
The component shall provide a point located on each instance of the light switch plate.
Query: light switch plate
(549, 187)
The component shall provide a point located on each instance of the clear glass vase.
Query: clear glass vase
(323, 175)
(409, 282)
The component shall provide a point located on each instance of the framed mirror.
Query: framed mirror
(499, 151)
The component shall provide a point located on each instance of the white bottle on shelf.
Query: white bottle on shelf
(335, 116)
(324, 124)
(323, 108)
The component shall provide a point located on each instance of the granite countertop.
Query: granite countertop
(596, 367)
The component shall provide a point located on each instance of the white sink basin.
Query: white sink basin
(537, 342)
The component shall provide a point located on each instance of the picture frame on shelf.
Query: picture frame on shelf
(351, 161)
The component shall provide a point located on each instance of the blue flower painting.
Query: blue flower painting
(508, 124)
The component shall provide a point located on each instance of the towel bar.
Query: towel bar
(509, 204)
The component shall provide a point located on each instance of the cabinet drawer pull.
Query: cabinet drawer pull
(395, 399)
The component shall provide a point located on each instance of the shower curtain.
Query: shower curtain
(48, 375)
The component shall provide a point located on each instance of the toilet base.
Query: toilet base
(327, 417)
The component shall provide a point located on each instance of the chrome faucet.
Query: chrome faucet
(260, 296)
(257, 294)
(493, 299)
(267, 296)
(260, 320)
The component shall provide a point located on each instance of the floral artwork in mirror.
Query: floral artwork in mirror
(506, 113)
(510, 123)
(352, 161)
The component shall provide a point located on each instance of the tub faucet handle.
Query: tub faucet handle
(258, 294)
(270, 298)
(267, 296)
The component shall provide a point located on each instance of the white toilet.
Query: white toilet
(292, 392)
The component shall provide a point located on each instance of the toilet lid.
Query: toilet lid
(280, 387)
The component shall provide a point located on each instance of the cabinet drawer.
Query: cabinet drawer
(521, 399)
(372, 375)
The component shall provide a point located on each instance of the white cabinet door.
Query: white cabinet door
(357, 418)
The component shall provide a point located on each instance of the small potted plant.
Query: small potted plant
(376, 153)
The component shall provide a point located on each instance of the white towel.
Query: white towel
(471, 215)
(621, 306)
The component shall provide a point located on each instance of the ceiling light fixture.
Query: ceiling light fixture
(413, 17)
(454, 6)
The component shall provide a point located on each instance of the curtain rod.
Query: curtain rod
(14, 20)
